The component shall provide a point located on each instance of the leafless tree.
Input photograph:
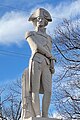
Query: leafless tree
(66, 45)
(11, 103)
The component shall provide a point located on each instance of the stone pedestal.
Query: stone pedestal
(41, 118)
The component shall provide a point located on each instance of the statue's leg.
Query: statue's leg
(36, 73)
(47, 85)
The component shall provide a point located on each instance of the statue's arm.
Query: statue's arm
(50, 39)
(43, 51)
(35, 46)
(29, 36)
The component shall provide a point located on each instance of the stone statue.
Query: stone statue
(38, 77)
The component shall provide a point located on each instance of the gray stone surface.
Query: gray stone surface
(41, 118)
(38, 78)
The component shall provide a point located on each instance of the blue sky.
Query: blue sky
(14, 49)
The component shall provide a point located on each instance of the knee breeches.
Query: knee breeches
(41, 72)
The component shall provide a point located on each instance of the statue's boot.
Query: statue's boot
(46, 103)
(36, 104)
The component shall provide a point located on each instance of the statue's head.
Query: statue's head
(40, 17)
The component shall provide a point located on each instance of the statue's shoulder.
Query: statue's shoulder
(30, 33)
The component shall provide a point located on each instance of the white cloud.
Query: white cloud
(14, 25)
(63, 10)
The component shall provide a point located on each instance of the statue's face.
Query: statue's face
(41, 21)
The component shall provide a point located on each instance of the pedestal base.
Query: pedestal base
(41, 118)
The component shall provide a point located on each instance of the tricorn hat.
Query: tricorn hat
(41, 12)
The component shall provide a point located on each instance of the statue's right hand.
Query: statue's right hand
(53, 58)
